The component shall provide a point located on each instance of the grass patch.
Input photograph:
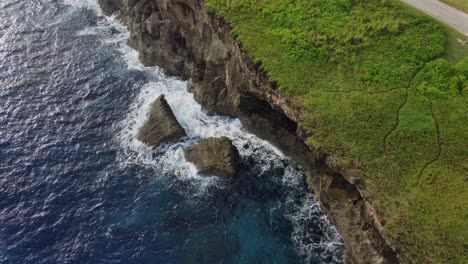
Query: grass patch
(383, 87)
(460, 4)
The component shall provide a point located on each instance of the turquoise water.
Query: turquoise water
(77, 187)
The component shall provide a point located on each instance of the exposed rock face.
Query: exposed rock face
(181, 37)
(214, 156)
(161, 126)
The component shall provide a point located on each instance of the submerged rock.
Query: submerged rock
(161, 126)
(214, 156)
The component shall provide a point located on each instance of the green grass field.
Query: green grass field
(384, 89)
(460, 4)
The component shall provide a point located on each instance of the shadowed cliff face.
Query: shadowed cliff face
(179, 36)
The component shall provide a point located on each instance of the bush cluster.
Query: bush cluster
(438, 79)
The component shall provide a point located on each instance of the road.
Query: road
(443, 12)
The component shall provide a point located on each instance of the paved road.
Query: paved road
(443, 12)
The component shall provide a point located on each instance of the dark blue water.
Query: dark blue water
(77, 187)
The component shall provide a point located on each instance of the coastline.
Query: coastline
(182, 38)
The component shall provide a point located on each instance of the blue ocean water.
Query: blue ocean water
(77, 187)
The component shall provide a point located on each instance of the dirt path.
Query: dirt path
(443, 12)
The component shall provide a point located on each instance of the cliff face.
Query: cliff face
(181, 37)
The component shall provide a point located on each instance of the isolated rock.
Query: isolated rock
(214, 156)
(161, 126)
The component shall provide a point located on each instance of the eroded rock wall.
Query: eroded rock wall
(182, 38)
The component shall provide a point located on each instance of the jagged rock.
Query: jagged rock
(214, 156)
(161, 126)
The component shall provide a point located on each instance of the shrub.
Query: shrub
(438, 79)
(462, 67)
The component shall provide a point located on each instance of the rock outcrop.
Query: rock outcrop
(214, 156)
(161, 126)
(182, 38)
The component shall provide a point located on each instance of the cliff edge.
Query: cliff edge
(187, 41)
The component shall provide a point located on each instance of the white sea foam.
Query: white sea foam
(305, 215)
(87, 4)
(188, 112)
(195, 121)
(75, 6)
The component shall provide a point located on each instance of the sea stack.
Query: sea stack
(161, 126)
(214, 156)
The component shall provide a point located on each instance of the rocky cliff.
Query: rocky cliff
(181, 37)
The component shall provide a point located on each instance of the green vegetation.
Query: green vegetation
(438, 79)
(385, 93)
(460, 4)
(462, 67)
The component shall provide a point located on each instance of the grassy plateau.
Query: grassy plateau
(384, 89)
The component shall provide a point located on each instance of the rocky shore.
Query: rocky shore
(181, 37)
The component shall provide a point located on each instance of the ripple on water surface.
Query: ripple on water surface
(77, 187)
